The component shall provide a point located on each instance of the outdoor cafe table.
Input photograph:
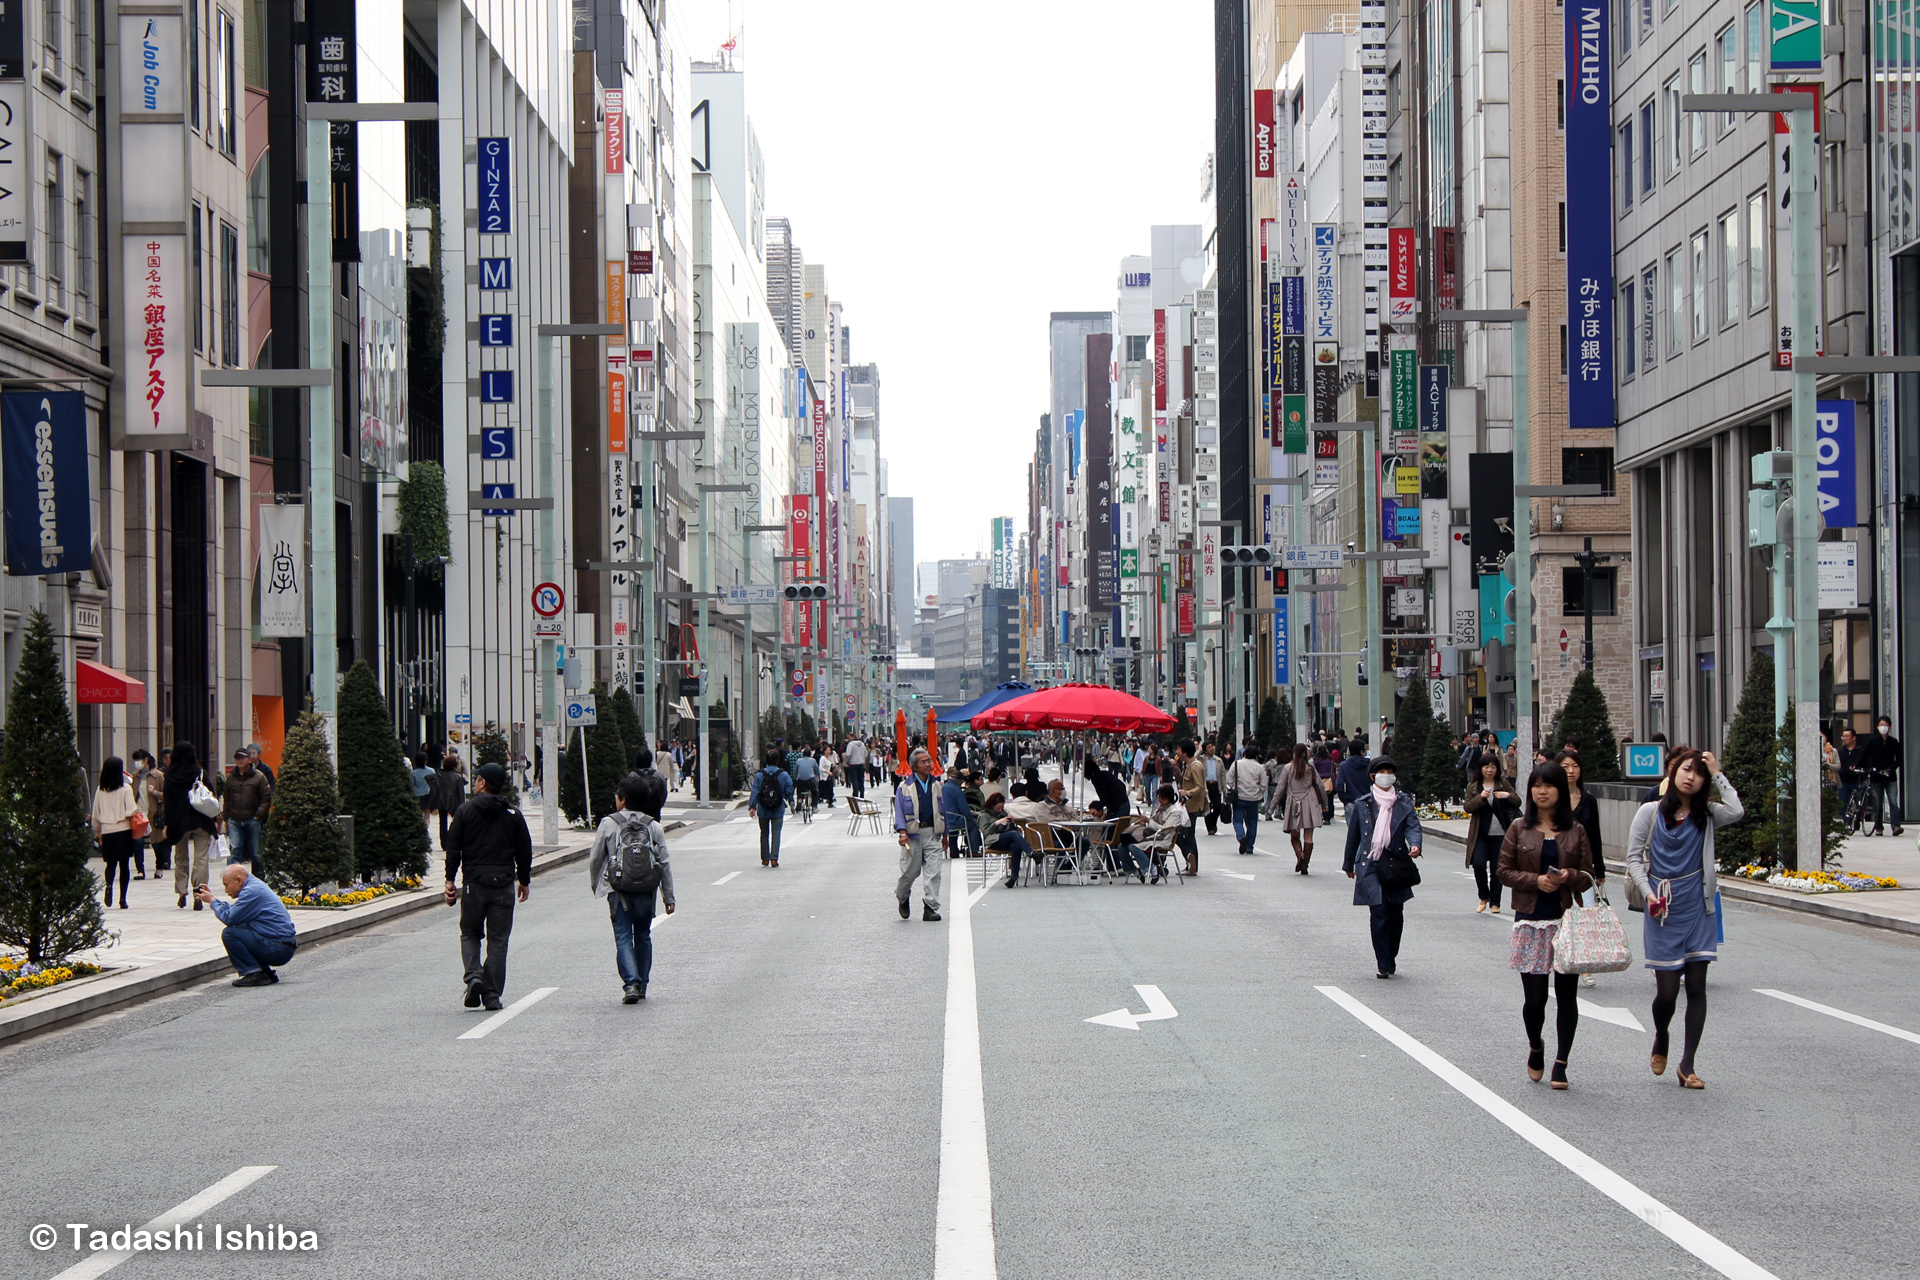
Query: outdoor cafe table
(1083, 829)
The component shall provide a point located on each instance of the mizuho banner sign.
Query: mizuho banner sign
(1589, 217)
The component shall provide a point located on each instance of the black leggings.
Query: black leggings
(1533, 1013)
(1486, 877)
(116, 850)
(1666, 994)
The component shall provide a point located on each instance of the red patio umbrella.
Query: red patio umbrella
(1077, 706)
(900, 743)
(933, 737)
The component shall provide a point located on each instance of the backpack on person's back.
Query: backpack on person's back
(633, 858)
(768, 798)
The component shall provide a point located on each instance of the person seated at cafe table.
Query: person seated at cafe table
(1054, 808)
(1165, 821)
(1003, 836)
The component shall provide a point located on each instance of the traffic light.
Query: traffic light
(1763, 517)
(1258, 557)
(804, 591)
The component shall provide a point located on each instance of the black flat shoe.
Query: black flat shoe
(473, 996)
(490, 1003)
(1010, 882)
(258, 978)
(1383, 974)
(631, 995)
(906, 912)
(928, 914)
(182, 902)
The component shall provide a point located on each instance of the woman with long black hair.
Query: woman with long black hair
(1302, 804)
(1545, 861)
(1492, 807)
(189, 831)
(113, 807)
(1670, 861)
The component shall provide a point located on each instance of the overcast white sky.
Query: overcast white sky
(962, 171)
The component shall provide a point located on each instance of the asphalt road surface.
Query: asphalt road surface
(809, 1092)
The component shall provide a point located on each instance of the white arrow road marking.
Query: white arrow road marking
(98, 1264)
(1158, 1008)
(963, 1245)
(723, 879)
(1618, 1017)
(1709, 1248)
(1237, 875)
(509, 1013)
(1841, 1014)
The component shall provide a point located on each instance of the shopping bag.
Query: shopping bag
(1590, 940)
(222, 852)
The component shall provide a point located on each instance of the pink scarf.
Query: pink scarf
(1383, 824)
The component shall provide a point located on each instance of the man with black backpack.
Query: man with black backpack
(490, 838)
(768, 796)
(629, 865)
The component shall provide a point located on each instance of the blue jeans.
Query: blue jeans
(1246, 823)
(250, 952)
(770, 834)
(632, 936)
(243, 841)
(1016, 847)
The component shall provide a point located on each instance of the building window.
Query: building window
(1697, 83)
(1730, 266)
(1699, 265)
(1676, 124)
(193, 64)
(82, 66)
(53, 24)
(199, 317)
(1563, 351)
(230, 293)
(259, 215)
(1757, 208)
(1626, 165)
(1646, 20)
(1625, 26)
(1727, 46)
(1648, 292)
(1560, 104)
(1136, 347)
(1573, 596)
(1646, 146)
(227, 71)
(1563, 226)
(1756, 47)
(1588, 466)
(83, 240)
(1676, 302)
(1627, 312)
(55, 270)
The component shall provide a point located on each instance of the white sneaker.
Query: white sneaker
(1586, 980)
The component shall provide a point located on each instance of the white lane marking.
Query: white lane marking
(963, 1219)
(973, 899)
(1237, 875)
(1841, 1014)
(98, 1264)
(1158, 1009)
(1618, 1017)
(1710, 1249)
(723, 879)
(509, 1013)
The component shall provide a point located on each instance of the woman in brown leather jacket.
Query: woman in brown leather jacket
(1545, 861)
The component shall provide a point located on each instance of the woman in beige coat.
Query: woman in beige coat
(1302, 803)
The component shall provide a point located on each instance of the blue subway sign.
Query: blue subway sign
(496, 188)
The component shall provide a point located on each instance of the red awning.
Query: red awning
(99, 682)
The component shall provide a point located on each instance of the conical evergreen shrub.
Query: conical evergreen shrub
(47, 907)
(490, 747)
(626, 719)
(1411, 728)
(305, 847)
(1440, 766)
(1585, 720)
(606, 764)
(389, 831)
(1749, 765)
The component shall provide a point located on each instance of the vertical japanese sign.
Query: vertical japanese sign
(1210, 568)
(282, 570)
(1276, 354)
(1293, 222)
(1293, 361)
(1160, 360)
(1403, 363)
(14, 204)
(155, 408)
(1282, 656)
(1589, 216)
(1400, 275)
(43, 450)
(1263, 133)
(1322, 334)
(495, 191)
(822, 527)
(1783, 229)
(800, 543)
(1434, 381)
(1794, 43)
(616, 130)
(1835, 471)
(155, 335)
(1099, 431)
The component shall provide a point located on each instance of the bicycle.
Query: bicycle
(1858, 805)
(803, 803)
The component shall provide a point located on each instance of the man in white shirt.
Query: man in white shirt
(856, 761)
(1246, 786)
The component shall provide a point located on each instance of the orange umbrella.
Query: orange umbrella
(933, 737)
(900, 743)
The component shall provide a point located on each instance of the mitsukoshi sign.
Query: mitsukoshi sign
(1589, 218)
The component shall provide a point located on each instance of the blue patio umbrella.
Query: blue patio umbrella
(991, 698)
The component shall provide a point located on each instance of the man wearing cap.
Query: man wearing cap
(489, 837)
(1381, 818)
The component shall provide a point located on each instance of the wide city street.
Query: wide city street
(802, 1093)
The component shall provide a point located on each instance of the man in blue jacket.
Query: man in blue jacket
(1351, 782)
(259, 933)
(767, 799)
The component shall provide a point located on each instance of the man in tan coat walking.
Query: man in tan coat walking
(1191, 781)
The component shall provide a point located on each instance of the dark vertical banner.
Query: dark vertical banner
(333, 75)
(43, 447)
(1432, 407)
(13, 39)
(1589, 217)
(1275, 355)
(1102, 565)
(1490, 496)
(1231, 148)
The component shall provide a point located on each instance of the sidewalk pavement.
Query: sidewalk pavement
(161, 946)
(1896, 856)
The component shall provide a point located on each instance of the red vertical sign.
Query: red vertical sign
(616, 131)
(800, 542)
(1263, 133)
(1160, 360)
(817, 563)
(1400, 275)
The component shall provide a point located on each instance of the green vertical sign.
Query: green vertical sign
(1794, 31)
(1294, 421)
(1129, 562)
(1406, 379)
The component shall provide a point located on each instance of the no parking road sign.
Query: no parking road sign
(549, 599)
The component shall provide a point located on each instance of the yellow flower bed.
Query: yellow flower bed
(1817, 881)
(354, 897)
(17, 977)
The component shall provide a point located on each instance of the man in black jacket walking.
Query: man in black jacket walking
(490, 837)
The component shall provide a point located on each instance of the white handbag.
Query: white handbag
(204, 802)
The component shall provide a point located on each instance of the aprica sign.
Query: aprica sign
(1263, 133)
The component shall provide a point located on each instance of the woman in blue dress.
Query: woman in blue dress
(1670, 861)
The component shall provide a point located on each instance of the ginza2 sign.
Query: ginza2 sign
(495, 194)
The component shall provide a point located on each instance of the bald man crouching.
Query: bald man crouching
(259, 933)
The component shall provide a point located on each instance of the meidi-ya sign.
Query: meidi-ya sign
(43, 445)
(1589, 216)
